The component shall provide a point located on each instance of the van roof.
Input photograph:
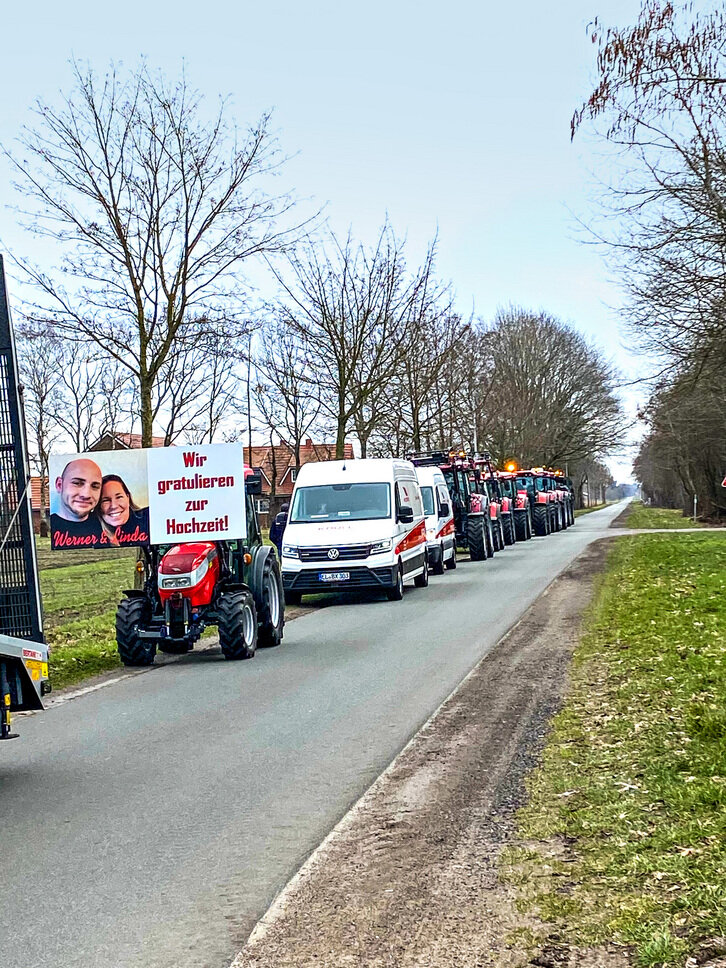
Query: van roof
(366, 469)
(429, 475)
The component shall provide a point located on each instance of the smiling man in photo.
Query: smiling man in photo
(79, 491)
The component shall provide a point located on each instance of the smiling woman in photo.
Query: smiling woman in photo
(123, 521)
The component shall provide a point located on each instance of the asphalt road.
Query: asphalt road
(149, 824)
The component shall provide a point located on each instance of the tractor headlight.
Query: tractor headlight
(290, 551)
(176, 582)
(380, 546)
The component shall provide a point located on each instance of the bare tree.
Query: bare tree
(156, 210)
(660, 103)
(286, 394)
(40, 356)
(551, 397)
(350, 306)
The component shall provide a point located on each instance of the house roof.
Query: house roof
(113, 441)
(277, 461)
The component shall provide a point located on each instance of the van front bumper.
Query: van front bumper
(308, 580)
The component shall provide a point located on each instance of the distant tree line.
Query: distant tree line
(155, 211)
(661, 103)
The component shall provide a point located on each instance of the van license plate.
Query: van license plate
(334, 575)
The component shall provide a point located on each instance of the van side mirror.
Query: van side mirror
(253, 481)
(444, 510)
(405, 514)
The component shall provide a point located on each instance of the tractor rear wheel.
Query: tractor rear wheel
(476, 531)
(270, 613)
(237, 620)
(510, 535)
(541, 515)
(130, 614)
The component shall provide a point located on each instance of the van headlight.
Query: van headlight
(290, 551)
(380, 546)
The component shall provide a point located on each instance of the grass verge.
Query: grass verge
(642, 516)
(627, 813)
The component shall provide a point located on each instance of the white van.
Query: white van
(354, 524)
(439, 512)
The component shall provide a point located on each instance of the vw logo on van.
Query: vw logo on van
(333, 553)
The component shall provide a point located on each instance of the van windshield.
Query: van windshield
(341, 502)
(427, 493)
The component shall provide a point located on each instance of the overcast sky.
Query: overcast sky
(449, 117)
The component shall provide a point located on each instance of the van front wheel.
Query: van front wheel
(422, 580)
(395, 594)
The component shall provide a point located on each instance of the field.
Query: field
(81, 590)
(624, 838)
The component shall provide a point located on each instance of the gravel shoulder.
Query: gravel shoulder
(410, 876)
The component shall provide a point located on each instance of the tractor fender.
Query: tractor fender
(260, 554)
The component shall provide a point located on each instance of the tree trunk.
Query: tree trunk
(147, 418)
(340, 439)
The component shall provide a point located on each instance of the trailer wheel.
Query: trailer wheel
(132, 650)
(541, 520)
(477, 533)
(237, 625)
(451, 562)
(269, 604)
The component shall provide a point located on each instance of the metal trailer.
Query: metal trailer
(23, 653)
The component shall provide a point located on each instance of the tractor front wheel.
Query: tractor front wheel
(237, 625)
(510, 534)
(133, 650)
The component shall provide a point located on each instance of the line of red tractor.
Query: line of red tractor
(493, 508)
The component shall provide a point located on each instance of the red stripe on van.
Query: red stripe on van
(448, 528)
(414, 538)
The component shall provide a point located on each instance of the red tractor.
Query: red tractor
(540, 499)
(469, 498)
(234, 585)
(501, 508)
(517, 499)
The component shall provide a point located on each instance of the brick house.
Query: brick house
(277, 464)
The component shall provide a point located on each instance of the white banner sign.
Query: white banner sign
(196, 493)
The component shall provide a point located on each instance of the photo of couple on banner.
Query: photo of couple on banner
(94, 506)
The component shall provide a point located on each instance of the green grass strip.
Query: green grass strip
(642, 516)
(628, 809)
